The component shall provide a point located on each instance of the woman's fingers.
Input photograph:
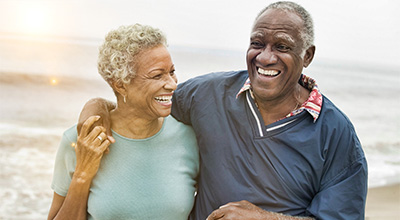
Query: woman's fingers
(88, 124)
(93, 141)
(104, 146)
(94, 134)
(101, 138)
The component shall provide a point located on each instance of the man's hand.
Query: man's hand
(102, 108)
(248, 211)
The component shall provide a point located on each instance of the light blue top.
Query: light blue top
(152, 178)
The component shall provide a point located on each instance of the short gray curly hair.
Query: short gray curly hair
(119, 51)
(307, 34)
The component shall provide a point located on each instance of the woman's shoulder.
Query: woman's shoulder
(71, 133)
(172, 123)
(179, 134)
(177, 128)
(68, 140)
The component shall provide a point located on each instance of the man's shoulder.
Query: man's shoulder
(216, 81)
(335, 116)
(218, 77)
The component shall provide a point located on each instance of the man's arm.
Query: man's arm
(247, 210)
(101, 107)
(343, 197)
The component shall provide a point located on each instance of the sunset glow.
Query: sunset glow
(34, 19)
(53, 81)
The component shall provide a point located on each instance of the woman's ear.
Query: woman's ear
(308, 56)
(119, 87)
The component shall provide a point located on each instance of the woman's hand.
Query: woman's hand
(89, 149)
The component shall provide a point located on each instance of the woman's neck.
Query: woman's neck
(129, 124)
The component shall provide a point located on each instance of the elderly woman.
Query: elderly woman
(150, 170)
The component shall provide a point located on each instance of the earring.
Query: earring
(124, 99)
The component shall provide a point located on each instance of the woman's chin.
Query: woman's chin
(165, 113)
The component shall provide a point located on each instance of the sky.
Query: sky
(362, 31)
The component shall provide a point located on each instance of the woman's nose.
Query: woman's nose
(171, 82)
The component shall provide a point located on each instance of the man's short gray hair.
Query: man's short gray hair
(117, 55)
(307, 34)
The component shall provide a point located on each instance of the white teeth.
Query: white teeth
(163, 99)
(268, 72)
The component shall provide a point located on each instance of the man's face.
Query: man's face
(275, 57)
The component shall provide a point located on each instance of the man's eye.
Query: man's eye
(282, 47)
(172, 73)
(256, 44)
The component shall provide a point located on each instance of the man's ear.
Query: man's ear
(308, 56)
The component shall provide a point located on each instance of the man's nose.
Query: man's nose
(267, 56)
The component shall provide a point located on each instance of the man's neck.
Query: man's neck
(274, 110)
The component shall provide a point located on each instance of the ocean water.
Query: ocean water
(44, 85)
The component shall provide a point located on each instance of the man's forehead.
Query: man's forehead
(274, 34)
(278, 19)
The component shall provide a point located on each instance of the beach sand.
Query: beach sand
(383, 203)
(35, 112)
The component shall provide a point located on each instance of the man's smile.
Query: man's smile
(268, 72)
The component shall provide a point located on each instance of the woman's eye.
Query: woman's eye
(158, 76)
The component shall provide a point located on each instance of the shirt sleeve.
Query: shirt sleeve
(181, 103)
(343, 189)
(65, 163)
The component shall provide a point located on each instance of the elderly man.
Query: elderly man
(271, 145)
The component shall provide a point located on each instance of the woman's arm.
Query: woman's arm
(74, 205)
(55, 205)
(89, 151)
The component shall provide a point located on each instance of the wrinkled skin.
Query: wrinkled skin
(246, 210)
(276, 46)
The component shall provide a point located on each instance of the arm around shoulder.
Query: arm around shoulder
(97, 106)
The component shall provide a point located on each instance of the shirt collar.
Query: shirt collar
(312, 105)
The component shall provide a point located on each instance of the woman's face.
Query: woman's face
(150, 92)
